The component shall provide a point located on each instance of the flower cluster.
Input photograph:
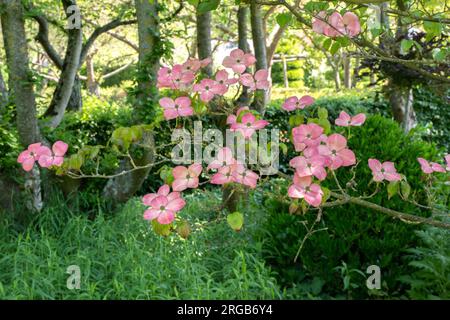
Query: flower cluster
(337, 25)
(230, 170)
(43, 155)
(182, 78)
(245, 122)
(319, 152)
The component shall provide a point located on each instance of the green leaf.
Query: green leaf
(235, 220)
(296, 120)
(161, 229)
(406, 45)
(335, 47)
(323, 113)
(326, 194)
(284, 148)
(405, 189)
(208, 5)
(75, 162)
(327, 44)
(392, 188)
(440, 54)
(433, 29)
(284, 19)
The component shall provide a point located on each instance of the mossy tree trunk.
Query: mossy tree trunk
(122, 188)
(21, 86)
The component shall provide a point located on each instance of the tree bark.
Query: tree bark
(401, 99)
(347, 73)
(21, 86)
(204, 39)
(3, 92)
(91, 82)
(69, 71)
(259, 43)
(243, 13)
(122, 188)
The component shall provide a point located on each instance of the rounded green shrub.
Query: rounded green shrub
(356, 236)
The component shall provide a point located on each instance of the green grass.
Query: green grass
(120, 257)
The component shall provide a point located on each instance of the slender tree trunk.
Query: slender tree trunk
(401, 99)
(259, 43)
(122, 188)
(243, 13)
(355, 73)
(69, 71)
(3, 92)
(91, 83)
(347, 68)
(21, 86)
(337, 78)
(204, 39)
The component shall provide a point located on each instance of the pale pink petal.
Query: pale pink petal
(151, 214)
(358, 120)
(176, 204)
(60, 148)
(164, 190)
(167, 103)
(166, 217)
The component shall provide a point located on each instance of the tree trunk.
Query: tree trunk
(21, 86)
(347, 74)
(91, 83)
(76, 99)
(3, 92)
(243, 13)
(355, 73)
(401, 99)
(259, 43)
(122, 188)
(204, 40)
(69, 71)
(337, 78)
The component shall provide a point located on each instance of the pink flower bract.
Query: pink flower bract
(383, 171)
(186, 177)
(346, 120)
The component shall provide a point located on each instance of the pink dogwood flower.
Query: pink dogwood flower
(447, 160)
(224, 175)
(54, 157)
(383, 171)
(337, 25)
(208, 88)
(192, 65)
(249, 125)
(181, 79)
(346, 120)
(245, 176)
(181, 107)
(223, 81)
(232, 119)
(313, 166)
(186, 177)
(28, 157)
(303, 188)
(163, 205)
(430, 167)
(239, 61)
(224, 158)
(338, 153)
(293, 103)
(259, 81)
(306, 135)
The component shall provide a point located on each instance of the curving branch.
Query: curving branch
(99, 31)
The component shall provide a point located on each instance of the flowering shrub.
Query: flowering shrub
(321, 151)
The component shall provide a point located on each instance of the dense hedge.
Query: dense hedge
(356, 236)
